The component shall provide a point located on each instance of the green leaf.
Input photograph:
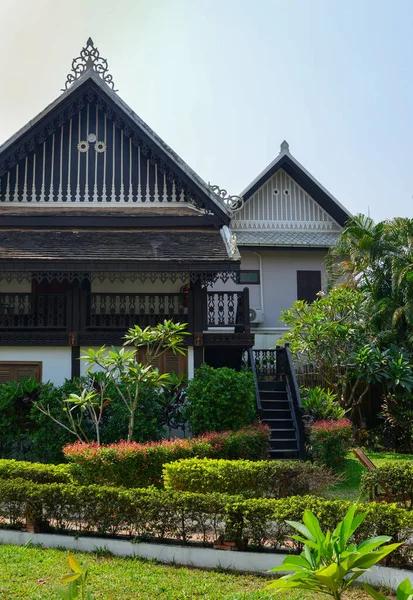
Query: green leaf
(302, 529)
(374, 593)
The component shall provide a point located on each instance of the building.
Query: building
(103, 226)
(284, 228)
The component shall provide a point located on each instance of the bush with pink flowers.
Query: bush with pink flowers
(131, 464)
(330, 441)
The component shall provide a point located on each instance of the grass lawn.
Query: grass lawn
(33, 573)
(349, 488)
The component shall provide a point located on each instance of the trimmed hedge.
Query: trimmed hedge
(156, 513)
(37, 472)
(130, 464)
(393, 479)
(271, 479)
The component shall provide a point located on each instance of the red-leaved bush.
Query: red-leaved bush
(330, 442)
(131, 464)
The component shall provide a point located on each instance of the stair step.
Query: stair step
(289, 444)
(276, 424)
(282, 434)
(284, 454)
(278, 413)
(271, 385)
(274, 396)
(275, 404)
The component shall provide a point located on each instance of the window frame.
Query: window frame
(239, 278)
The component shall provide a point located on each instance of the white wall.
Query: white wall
(56, 361)
(279, 280)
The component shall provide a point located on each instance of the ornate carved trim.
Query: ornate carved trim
(206, 278)
(246, 340)
(89, 59)
(198, 339)
(234, 203)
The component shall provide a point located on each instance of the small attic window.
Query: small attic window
(276, 191)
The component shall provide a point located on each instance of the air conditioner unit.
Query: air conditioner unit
(256, 315)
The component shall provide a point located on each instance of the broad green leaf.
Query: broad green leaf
(74, 564)
(373, 543)
(373, 593)
(405, 590)
(71, 577)
(313, 526)
(302, 529)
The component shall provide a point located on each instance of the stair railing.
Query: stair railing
(286, 371)
(251, 362)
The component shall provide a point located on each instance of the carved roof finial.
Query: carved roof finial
(89, 59)
(285, 147)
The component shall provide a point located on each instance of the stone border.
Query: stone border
(190, 556)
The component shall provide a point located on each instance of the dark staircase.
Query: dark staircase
(279, 403)
(277, 413)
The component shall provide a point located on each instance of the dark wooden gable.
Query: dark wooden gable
(91, 148)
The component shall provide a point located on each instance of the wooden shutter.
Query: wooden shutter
(308, 285)
(167, 362)
(6, 372)
(16, 371)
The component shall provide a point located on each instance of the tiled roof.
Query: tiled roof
(286, 238)
(166, 245)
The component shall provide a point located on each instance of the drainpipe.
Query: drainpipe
(261, 282)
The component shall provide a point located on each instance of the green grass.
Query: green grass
(349, 488)
(33, 573)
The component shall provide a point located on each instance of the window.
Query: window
(167, 362)
(248, 277)
(17, 370)
(308, 285)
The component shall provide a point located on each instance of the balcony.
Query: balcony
(100, 312)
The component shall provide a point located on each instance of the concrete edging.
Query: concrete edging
(191, 556)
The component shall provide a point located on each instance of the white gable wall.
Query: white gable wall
(290, 208)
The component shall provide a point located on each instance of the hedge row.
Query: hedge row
(130, 464)
(156, 513)
(394, 480)
(270, 479)
(37, 472)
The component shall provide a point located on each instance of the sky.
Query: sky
(224, 82)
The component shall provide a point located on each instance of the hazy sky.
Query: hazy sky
(223, 82)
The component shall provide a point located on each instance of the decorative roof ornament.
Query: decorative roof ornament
(89, 59)
(285, 147)
(234, 203)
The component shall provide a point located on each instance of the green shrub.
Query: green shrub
(330, 442)
(220, 399)
(36, 472)
(28, 434)
(265, 478)
(393, 479)
(397, 422)
(158, 513)
(130, 464)
(321, 404)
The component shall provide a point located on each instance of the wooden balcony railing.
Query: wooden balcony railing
(33, 311)
(118, 311)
